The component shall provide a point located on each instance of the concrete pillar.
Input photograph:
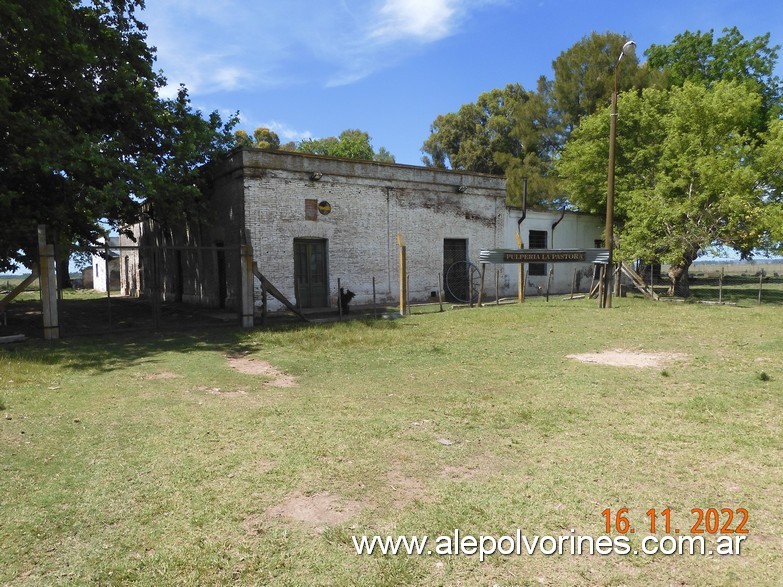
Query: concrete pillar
(48, 281)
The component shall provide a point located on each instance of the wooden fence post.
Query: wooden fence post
(573, 285)
(601, 286)
(481, 287)
(339, 299)
(440, 291)
(107, 277)
(403, 274)
(549, 282)
(247, 298)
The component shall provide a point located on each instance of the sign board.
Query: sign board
(497, 256)
(324, 207)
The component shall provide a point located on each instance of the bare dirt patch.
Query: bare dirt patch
(318, 510)
(253, 524)
(461, 473)
(262, 466)
(625, 358)
(406, 489)
(224, 393)
(484, 465)
(161, 375)
(253, 366)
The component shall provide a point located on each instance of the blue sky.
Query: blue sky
(313, 68)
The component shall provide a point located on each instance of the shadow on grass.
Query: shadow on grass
(95, 316)
(743, 291)
(122, 349)
(107, 354)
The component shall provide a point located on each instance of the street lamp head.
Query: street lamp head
(628, 49)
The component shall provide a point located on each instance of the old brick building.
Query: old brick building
(313, 220)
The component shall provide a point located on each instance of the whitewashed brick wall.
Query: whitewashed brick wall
(371, 204)
(575, 231)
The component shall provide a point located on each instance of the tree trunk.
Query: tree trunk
(678, 274)
(62, 254)
(63, 276)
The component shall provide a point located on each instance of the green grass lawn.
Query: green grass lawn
(151, 461)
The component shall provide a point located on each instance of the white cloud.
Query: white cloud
(423, 20)
(205, 74)
(230, 77)
(285, 132)
(388, 31)
(195, 45)
(216, 45)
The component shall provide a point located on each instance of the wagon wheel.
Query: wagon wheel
(463, 280)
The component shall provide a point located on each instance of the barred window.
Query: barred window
(537, 240)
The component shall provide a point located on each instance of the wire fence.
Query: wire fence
(144, 288)
(137, 288)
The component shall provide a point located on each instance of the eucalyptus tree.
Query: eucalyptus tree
(584, 77)
(509, 131)
(467, 140)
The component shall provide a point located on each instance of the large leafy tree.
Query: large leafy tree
(172, 183)
(351, 144)
(86, 138)
(266, 139)
(263, 138)
(701, 58)
(691, 173)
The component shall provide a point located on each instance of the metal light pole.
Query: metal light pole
(606, 297)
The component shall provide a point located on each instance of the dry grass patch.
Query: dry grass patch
(253, 366)
(222, 392)
(482, 467)
(161, 375)
(318, 510)
(406, 489)
(625, 358)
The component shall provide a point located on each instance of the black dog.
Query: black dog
(345, 299)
